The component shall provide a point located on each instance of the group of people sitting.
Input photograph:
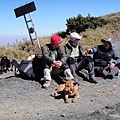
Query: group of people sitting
(72, 58)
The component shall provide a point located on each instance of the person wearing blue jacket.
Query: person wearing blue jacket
(105, 59)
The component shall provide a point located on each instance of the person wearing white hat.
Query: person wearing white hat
(77, 58)
(102, 56)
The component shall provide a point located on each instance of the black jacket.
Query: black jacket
(100, 54)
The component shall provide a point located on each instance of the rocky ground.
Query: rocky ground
(25, 100)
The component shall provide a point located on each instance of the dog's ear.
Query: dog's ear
(76, 83)
(64, 81)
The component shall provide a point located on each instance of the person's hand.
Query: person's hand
(54, 62)
(72, 56)
(89, 50)
(84, 53)
(58, 64)
(112, 65)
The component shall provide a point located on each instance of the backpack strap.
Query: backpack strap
(28, 67)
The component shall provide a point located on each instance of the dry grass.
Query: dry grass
(90, 38)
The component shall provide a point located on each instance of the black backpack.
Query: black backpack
(38, 66)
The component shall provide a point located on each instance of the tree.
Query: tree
(80, 23)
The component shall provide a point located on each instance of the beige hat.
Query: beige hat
(75, 35)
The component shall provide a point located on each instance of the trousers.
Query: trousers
(85, 63)
(65, 68)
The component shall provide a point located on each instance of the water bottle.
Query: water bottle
(119, 75)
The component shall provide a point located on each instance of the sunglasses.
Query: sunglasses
(60, 42)
(78, 39)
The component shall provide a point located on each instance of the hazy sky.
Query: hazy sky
(50, 16)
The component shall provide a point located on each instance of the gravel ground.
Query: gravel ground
(25, 100)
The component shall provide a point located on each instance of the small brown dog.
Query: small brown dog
(69, 88)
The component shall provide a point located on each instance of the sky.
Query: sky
(50, 16)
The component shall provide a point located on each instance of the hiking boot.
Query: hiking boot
(92, 79)
(108, 77)
(46, 84)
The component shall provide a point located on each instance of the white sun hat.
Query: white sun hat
(75, 35)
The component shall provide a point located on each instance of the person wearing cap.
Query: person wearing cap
(105, 59)
(55, 57)
(77, 58)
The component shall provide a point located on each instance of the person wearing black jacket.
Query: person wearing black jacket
(105, 59)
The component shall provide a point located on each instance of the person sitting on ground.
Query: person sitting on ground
(102, 56)
(77, 58)
(55, 56)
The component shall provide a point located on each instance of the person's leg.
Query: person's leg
(115, 70)
(110, 73)
(67, 72)
(47, 76)
(70, 72)
(91, 72)
(98, 71)
(87, 63)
